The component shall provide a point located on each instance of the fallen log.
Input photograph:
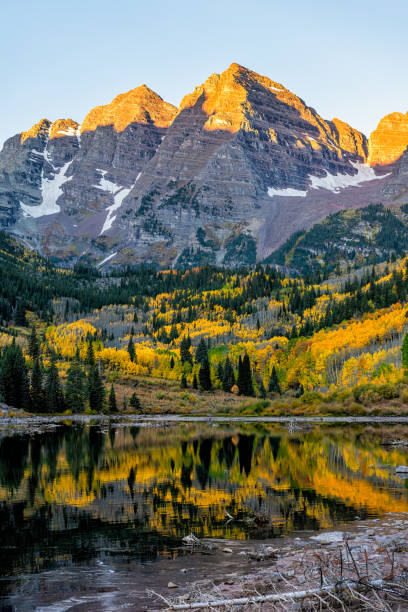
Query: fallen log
(288, 596)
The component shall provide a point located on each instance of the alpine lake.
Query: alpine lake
(93, 511)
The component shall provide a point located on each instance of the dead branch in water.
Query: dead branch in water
(276, 597)
(335, 581)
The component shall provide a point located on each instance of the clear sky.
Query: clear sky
(346, 59)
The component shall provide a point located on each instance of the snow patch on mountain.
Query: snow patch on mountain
(106, 259)
(332, 182)
(288, 192)
(336, 182)
(106, 184)
(51, 189)
(118, 197)
(68, 132)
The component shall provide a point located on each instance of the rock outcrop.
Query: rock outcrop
(32, 168)
(396, 188)
(117, 140)
(225, 178)
(389, 140)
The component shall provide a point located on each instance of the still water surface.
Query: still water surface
(82, 493)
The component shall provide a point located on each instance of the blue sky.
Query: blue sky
(346, 59)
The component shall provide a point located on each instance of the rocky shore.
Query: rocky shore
(367, 560)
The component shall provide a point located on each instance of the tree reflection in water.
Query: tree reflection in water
(69, 495)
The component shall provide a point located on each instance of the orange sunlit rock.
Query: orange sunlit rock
(350, 139)
(388, 142)
(63, 127)
(38, 129)
(232, 101)
(141, 105)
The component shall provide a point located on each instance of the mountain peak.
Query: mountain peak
(38, 129)
(63, 127)
(235, 68)
(243, 163)
(389, 140)
(139, 105)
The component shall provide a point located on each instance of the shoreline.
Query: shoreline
(368, 550)
(142, 419)
(223, 569)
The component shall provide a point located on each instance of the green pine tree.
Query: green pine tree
(204, 376)
(248, 388)
(172, 362)
(112, 401)
(131, 349)
(33, 344)
(244, 381)
(54, 398)
(90, 355)
(262, 390)
(36, 389)
(274, 386)
(75, 388)
(14, 387)
(201, 353)
(20, 314)
(134, 402)
(404, 351)
(228, 380)
(185, 354)
(96, 390)
(195, 382)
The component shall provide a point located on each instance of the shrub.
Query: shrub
(254, 407)
(366, 394)
(310, 397)
(341, 395)
(355, 409)
(388, 391)
(370, 394)
(185, 395)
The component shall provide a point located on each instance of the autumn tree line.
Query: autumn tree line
(275, 333)
(30, 385)
(31, 283)
(238, 380)
(38, 388)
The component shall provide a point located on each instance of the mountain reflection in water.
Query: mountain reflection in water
(74, 493)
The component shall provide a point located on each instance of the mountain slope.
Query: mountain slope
(350, 238)
(226, 178)
(237, 141)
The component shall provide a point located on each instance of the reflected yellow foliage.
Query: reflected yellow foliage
(181, 476)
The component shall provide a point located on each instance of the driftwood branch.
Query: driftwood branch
(291, 596)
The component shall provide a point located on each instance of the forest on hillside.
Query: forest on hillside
(80, 340)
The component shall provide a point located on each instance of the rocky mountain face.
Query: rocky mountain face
(31, 166)
(226, 178)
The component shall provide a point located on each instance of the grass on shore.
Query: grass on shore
(160, 396)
